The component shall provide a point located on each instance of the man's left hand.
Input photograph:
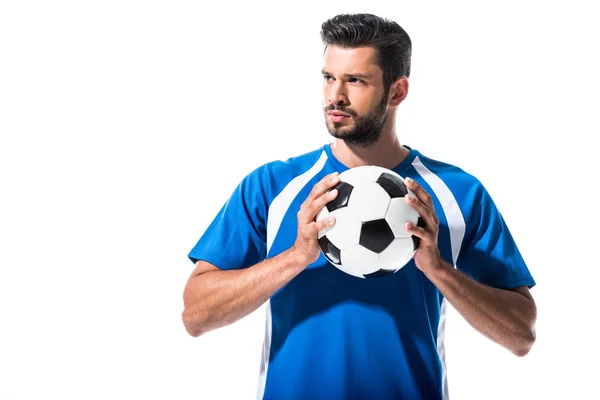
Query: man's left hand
(427, 258)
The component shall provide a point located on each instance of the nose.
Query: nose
(337, 95)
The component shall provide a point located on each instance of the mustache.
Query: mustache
(332, 107)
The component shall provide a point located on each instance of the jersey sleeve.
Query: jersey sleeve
(489, 253)
(236, 237)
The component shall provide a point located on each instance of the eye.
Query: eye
(327, 77)
(355, 80)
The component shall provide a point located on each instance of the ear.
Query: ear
(398, 92)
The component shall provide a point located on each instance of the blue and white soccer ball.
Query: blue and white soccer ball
(369, 238)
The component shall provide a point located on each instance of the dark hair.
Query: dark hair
(391, 43)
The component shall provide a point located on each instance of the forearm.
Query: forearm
(218, 298)
(504, 316)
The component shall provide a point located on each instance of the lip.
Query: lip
(338, 118)
(338, 114)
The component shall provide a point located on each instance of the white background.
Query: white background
(125, 125)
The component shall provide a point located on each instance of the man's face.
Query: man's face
(355, 103)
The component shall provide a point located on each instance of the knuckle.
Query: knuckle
(314, 193)
(310, 228)
(323, 201)
(314, 208)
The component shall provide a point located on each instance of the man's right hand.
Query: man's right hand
(306, 246)
(215, 298)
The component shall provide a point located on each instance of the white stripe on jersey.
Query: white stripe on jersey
(456, 225)
(282, 202)
(277, 210)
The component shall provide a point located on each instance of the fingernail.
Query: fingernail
(332, 193)
(330, 220)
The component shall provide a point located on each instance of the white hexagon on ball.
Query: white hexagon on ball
(398, 214)
(345, 232)
(369, 201)
(357, 260)
(360, 175)
(397, 254)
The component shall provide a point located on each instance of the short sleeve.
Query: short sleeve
(236, 237)
(489, 253)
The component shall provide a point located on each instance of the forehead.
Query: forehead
(354, 60)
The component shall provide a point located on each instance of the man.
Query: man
(330, 335)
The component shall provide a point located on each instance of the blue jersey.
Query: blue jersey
(330, 335)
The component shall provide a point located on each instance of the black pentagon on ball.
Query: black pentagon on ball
(392, 185)
(341, 200)
(329, 250)
(376, 235)
(379, 274)
(416, 240)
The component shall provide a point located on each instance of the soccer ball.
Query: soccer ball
(368, 239)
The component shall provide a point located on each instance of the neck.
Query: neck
(387, 152)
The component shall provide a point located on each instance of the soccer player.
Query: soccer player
(330, 335)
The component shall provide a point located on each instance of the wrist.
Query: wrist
(439, 269)
(297, 258)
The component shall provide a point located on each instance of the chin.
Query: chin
(339, 135)
(338, 127)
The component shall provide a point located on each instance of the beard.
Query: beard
(367, 128)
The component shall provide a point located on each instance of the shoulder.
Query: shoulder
(461, 194)
(271, 177)
(295, 165)
(441, 175)
(465, 201)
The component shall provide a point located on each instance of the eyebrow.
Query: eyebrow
(361, 76)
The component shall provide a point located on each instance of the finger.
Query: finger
(318, 190)
(424, 198)
(323, 185)
(323, 224)
(319, 203)
(418, 205)
(419, 192)
(428, 216)
(419, 232)
(311, 207)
